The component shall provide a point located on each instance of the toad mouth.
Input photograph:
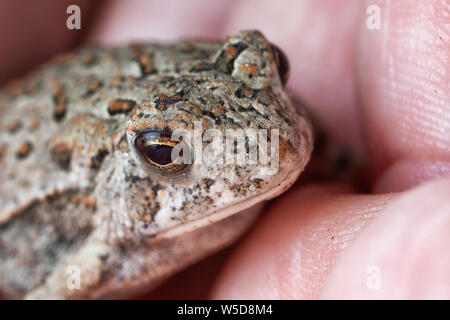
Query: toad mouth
(234, 208)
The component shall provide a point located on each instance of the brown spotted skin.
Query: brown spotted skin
(72, 192)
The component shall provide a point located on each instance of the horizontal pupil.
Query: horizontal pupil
(159, 153)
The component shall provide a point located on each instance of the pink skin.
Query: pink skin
(384, 93)
(31, 33)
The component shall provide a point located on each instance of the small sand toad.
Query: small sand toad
(92, 202)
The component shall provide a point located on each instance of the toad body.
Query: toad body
(93, 202)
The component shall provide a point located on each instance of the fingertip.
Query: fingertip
(406, 174)
(402, 79)
(402, 254)
(291, 250)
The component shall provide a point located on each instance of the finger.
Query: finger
(406, 173)
(34, 32)
(161, 20)
(403, 254)
(403, 80)
(291, 251)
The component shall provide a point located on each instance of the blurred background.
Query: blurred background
(34, 31)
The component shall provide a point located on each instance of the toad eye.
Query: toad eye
(282, 63)
(159, 152)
